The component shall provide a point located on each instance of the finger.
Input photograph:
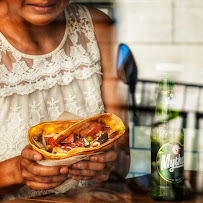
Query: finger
(104, 176)
(88, 165)
(39, 170)
(104, 157)
(41, 186)
(97, 176)
(44, 179)
(89, 173)
(30, 154)
(109, 167)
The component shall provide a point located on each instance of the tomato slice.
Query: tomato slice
(69, 139)
(51, 141)
(95, 130)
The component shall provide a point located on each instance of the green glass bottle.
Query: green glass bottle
(167, 147)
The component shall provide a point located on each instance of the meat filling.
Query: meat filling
(91, 134)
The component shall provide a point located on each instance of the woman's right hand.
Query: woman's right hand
(38, 177)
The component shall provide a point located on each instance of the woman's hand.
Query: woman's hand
(97, 168)
(39, 177)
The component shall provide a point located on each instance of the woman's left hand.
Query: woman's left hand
(97, 168)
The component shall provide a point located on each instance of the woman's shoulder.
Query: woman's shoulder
(104, 26)
(99, 17)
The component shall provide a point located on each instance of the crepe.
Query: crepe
(111, 128)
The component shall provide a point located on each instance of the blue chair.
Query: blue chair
(127, 72)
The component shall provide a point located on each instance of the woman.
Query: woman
(51, 54)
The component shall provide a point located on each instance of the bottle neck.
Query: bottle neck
(165, 108)
(162, 106)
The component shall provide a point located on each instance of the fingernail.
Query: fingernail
(37, 157)
(76, 166)
(64, 170)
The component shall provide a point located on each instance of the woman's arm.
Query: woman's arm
(113, 164)
(114, 91)
(10, 176)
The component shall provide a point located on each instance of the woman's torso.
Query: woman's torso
(41, 88)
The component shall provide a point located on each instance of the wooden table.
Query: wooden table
(133, 190)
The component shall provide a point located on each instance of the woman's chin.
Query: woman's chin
(40, 20)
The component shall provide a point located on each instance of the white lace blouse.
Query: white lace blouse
(39, 88)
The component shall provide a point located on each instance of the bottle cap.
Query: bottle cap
(170, 67)
(170, 70)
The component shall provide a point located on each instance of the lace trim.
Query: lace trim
(49, 82)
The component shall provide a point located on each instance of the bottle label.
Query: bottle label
(170, 162)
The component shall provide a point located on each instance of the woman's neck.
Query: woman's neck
(31, 39)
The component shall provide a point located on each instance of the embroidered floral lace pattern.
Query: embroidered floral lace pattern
(35, 89)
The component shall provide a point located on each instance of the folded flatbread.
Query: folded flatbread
(64, 139)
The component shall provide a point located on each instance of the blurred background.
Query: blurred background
(157, 32)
